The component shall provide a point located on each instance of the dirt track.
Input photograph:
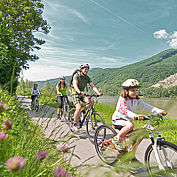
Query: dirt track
(46, 118)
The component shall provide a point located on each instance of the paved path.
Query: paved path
(53, 128)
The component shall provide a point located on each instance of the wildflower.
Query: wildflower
(7, 125)
(68, 175)
(59, 172)
(3, 136)
(64, 149)
(2, 107)
(41, 155)
(15, 164)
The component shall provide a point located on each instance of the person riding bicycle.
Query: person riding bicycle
(61, 88)
(126, 107)
(34, 93)
(80, 81)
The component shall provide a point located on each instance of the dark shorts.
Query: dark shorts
(33, 97)
(77, 99)
(60, 100)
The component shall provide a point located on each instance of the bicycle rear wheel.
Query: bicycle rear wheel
(92, 123)
(70, 120)
(65, 112)
(168, 157)
(103, 144)
(36, 107)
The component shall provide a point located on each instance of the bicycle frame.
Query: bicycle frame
(89, 111)
(124, 142)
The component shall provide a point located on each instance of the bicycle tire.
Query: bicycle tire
(70, 120)
(36, 107)
(103, 133)
(92, 123)
(65, 112)
(151, 164)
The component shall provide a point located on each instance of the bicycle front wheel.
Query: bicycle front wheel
(167, 153)
(103, 144)
(92, 123)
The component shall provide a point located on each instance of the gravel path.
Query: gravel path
(53, 128)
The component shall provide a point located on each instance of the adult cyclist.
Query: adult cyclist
(80, 81)
(61, 88)
(34, 93)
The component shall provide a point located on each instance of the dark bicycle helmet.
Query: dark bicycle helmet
(130, 83)
(84, 66)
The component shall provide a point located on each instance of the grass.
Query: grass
(26, 140)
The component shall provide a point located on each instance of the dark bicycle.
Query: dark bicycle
(35, 105)
(93, 119)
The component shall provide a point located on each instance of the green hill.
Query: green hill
(148, 72)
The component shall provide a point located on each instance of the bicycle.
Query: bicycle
(35, 105)
(159, 155)
(93, 119)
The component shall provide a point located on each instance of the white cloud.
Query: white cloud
(173, 43)
(44, 72)
(161, 34)
(171, 38)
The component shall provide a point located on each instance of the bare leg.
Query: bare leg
(77, 112)
(126, 129)
(58, 110)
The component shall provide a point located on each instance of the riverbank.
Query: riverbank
(168, 104)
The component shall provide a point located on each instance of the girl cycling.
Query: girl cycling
(61, 88)
(126, 107)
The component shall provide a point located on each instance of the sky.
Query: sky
(102, 33)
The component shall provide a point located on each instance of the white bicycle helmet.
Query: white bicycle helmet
(84, 66)
(62, 77)
(130, 83)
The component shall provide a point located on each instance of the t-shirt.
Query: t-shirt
(83, 80)
(35, 92)
(61, 90)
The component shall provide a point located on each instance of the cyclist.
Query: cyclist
(80, 81)
(126, 107)
(34, 93)
(61, 88)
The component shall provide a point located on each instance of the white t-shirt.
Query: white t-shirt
(35, 92)
(125, 109)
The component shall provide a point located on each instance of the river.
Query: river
(168, 104)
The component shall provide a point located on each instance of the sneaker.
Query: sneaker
(117, 143)
(75, 129)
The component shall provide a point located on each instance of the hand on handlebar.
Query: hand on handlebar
(82, 93)
(164, 113)
(139, 117)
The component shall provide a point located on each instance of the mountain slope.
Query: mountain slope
(148, 72)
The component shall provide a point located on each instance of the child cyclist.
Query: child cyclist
(126, 107)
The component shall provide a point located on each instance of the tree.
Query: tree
(18, 22)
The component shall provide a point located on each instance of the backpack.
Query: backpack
(71, 80)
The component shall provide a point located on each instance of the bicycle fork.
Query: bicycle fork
(156, 149)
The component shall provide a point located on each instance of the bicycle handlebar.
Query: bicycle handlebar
(149, 117)
(93, 95)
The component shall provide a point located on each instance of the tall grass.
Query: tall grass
(25, 139)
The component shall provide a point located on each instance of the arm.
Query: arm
(95, 89)
(150, 108)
